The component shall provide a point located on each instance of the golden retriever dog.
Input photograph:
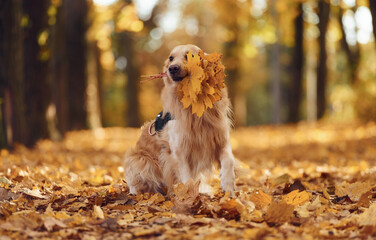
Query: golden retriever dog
(187, 146)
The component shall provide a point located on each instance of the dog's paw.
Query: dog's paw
(228, 181)
(132, 190)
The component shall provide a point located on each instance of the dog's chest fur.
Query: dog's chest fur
(198, 141)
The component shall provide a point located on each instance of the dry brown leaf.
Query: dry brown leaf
(353, 190)
(34, 193)
(364, 200)
(255, 233)
(86, 170)
(143, 232)
(279, 212)
(315, 204)
(156, 198)
(50, 223)
(126, 219)
(98, 212)
(283, 179)
(296, 198)
(189, 190)
(187, 197)
(260, 199)
(368, 217)
(302, 210)
(231, 209)
(326, 194)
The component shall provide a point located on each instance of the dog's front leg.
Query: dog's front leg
(178, 154)
(227, 173)
(183, 167)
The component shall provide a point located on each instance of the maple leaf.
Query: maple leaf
(202, 87)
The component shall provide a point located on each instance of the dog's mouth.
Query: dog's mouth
(177, 79)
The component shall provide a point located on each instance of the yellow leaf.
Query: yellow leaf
(186, 102)
(208, 102)
(296, 198)
(198, 108)
(279, 213)
(196, 77)
(260, 199)
(204, 84)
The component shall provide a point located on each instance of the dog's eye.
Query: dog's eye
(171, 58)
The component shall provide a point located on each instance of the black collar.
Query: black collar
(160, 122)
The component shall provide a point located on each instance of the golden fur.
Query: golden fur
(187, 146)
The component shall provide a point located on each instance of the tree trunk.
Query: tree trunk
(59, 72)
(93, 93)
(297, 77)
(75, 32)
(4, 9)
(324, 10)
(132, 72)
(11, 72)
(353, 57)
(36, 64)
(69, 65)
(372, 8)
(275, 72)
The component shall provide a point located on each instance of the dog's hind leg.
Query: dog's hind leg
(142, 172)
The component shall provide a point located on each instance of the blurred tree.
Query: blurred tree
(59, 72)
(37, 85)
(70, 49)
(11, 73)
(352, 54)
(76, 26)
(295, 96)
(372, 8)
(10, 19)
(132, 71)
(275, 71)
(324, 10)
(94, 99)
(127, 48)
(232, 45)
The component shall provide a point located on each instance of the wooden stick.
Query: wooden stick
(152, 77)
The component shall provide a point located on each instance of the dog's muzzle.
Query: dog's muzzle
(175, 72)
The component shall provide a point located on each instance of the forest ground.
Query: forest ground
(305, 181)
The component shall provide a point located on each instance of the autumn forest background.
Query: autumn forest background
(302, 80)
(76, 64)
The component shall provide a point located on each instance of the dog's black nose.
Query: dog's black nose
(174, 69)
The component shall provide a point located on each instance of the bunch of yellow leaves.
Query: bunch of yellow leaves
(202, 87)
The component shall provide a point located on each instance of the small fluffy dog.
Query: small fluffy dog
(187, 146)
